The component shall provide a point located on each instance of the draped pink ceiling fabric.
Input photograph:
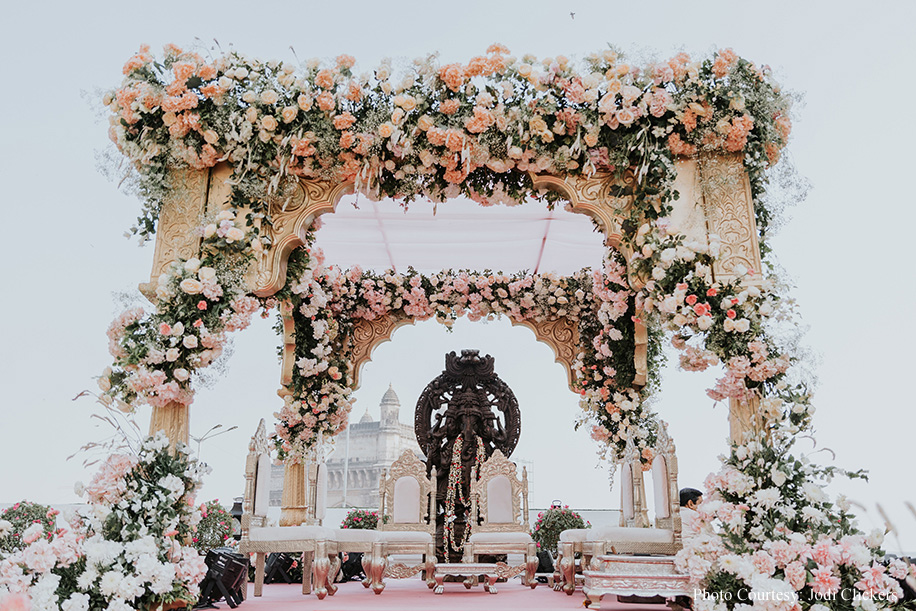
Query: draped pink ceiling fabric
(459, 234)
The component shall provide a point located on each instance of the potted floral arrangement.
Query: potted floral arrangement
(361, 518)
(214, 529)
(15, 520)
(550, 523)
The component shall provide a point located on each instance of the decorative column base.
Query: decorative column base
(293, 509)
(172, 419)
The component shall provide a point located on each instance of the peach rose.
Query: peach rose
(268, 123)
(304, 102)
(269, 97)
(449, 107)
(289, 113)
(424, 123)
(386, 130)
(324, 79)
(326, 101)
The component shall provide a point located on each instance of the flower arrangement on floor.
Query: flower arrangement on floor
(214, 529)
(360, 519)
(22, 517)
(547, 528)
(780, 542)
(127, 551)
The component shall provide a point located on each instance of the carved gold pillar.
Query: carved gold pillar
(729, 207)
(176, 235)
(172, 419)
(743, 417)
(293, 508)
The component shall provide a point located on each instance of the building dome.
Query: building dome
(390, 397)
(390, 406)
(366, 417)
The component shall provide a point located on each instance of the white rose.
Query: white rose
(225, 215)
(658, 273)
(206, 274)
(234, 235)
(249, 97)
(704, 322)
(189, 341)
(209, 231)
(191, 286)
(171, 355)
(192, 265)
(181, 374)
(742, 325)
(178, 329)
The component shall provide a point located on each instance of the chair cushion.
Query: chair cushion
(516, 537)
(321, 492)
(262, 486)
(660, 485)
(626, 492)
(499, 500)
(405, 536)
(290, 533)
(406, 501)
(574, 535)
(630, 535)
(354, 535)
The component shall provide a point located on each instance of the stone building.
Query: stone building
(368, 447)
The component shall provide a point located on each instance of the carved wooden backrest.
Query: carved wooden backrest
(664, 477)
(257, 481)
(632, 489)
(499, 499)
(407, 496)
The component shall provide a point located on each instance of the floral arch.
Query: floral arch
(238, 158)
(235, 158)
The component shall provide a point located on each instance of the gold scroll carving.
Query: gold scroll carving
(288, 349)
(367, 334)
(176, 233)
(293, 209)
(562, 335)
(730, 214)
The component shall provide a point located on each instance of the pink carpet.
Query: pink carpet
(413, 595)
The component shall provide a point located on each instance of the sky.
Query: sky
(846, 247)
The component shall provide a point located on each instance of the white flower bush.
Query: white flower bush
(128, 551)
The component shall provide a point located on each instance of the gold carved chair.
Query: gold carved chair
(499, 515)
(634, 536)
(260, 539)
(407, 523)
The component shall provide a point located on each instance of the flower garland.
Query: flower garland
(455, 495)
(473, 129)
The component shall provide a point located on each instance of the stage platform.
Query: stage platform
(413, 595)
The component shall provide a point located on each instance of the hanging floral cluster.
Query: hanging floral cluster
(442, 130)
(199, 301)
(131, 548)
(782, 540)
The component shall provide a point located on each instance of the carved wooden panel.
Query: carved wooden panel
(367, 334)
(293, 208)
(730, 212)
(176, 233)
(288, 349)
(562, 335)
